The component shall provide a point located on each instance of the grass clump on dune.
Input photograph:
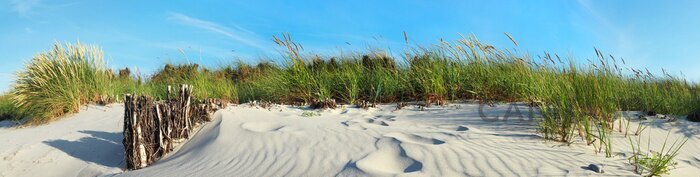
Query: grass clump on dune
(209, 84)
(655, 163)
(260, 82)
(306, 82)
(8, 109)
(382, 80)
(60, 80)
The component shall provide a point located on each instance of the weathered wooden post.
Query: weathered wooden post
(151, 128)
(129, 131)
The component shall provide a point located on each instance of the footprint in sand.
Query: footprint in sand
(353, 125)
(385, 118)
(390, 158)
(415, 139)
(360, 124)
(267, 127)
(459, 128)
(377, 122)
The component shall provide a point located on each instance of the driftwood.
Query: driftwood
(152, 128)
(323, 104)
(365, 104)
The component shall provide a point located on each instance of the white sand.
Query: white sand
(246, 141)
(85, 144)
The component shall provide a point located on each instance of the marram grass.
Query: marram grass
(575, 99)
(60, 80)
(8, 109)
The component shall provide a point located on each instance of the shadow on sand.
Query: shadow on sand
(102, 148)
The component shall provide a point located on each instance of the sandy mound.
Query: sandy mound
(86, 144)
(247, 141)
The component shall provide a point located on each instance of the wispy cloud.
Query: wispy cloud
(24, 7)
(235, 32)
(623, 38)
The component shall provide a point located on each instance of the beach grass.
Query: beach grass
(209, 84)
(8, 109)
(647, 162)
(62, 79)
(576, 99)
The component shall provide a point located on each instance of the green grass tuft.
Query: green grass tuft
(8, 109)
(60, 80)
(650, 163)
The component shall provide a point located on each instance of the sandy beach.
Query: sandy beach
(244, 140)
(349, 89)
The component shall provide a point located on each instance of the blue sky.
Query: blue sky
(145, 35)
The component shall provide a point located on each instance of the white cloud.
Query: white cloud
(24, 7)
(236, 33)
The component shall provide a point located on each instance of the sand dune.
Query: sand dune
(86, 144)
(248, 141)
